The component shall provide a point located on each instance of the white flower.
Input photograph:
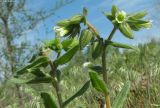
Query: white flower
(86, 64)
(61, 31)
(121, 16)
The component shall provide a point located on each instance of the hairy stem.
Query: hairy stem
(104, 68)
(55, 84)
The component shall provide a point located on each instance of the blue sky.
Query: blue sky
(95, 16)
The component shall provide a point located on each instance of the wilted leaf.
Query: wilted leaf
(79, 93)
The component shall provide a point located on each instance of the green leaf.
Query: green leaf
(109, 16)
(48, 100)
(136, 21)
(77, 19)
(18, 81)
(114, 10)
(126, 30)
(97, 69)
(36, 71)
(98, 84)
(67, 56)
(63, 23)
(98, 49)
(85, 37)
(138, 24)
(79, 93)
(69, 43)
(139, 15)
(121, 45)
(75, 31)
(35, 80)
(54, 44)
(85, 11)
(121, 97)
(134, 27)
(41, 61)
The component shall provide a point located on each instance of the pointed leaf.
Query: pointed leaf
(85, 37)
(18, 81)
(48, 100)
(79, 93)
(35, 80)
(98, 84)
(40, 80)
(139, 15)
(114, 10)
(77, 19)
(97, 69)
(126, 30)
(109, 16)
(41, 61)
(63, 23)
(54, 44)
(85, 11)
(69, 43)
(121, 45)
(121, 97)
(67, 56)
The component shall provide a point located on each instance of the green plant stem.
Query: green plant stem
(93, 29)
(103, 57)
(57, 88)
(55, 84)
(112, 33)
(104, 68)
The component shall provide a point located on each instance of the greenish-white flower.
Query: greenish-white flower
(86, 64)
(149, 24)
(120, 16)
(61, 31)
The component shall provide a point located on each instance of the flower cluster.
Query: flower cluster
(127, 23)
(69, 27)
